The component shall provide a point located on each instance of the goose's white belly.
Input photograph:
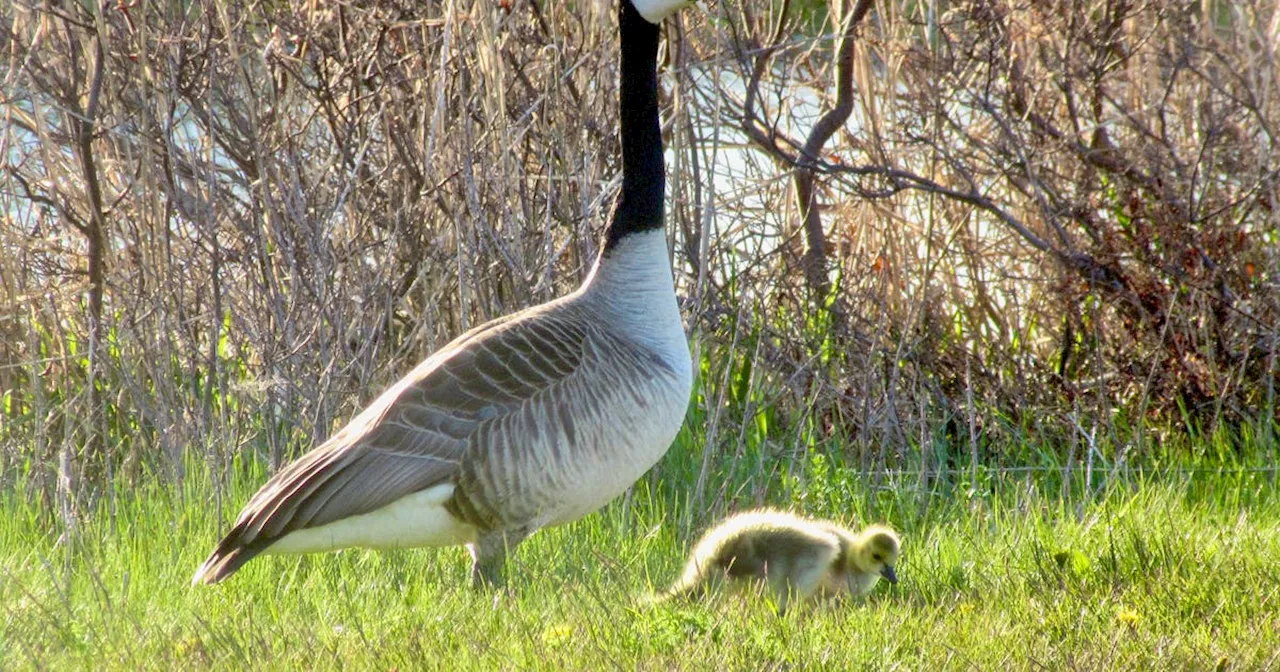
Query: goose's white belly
(419, 519)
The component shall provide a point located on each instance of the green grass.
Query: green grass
(1169, 571)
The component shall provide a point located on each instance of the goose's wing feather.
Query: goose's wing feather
(414, 435)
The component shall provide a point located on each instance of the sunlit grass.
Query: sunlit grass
(1168, 571)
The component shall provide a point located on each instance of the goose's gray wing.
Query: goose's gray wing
(415, 434)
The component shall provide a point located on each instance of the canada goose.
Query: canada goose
(533, 419)
(796, 557)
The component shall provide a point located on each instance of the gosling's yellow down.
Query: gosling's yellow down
(797, 557)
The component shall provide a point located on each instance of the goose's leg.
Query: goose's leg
(489, 556)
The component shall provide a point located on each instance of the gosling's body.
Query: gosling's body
(797, 558)
(534, 419)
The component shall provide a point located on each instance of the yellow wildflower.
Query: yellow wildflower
(1128, 617)
(556, 635)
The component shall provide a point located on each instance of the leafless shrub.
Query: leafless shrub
(1039, 204)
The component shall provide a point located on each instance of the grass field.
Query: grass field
(1163, 571)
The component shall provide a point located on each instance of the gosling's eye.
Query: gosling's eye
(877, 557)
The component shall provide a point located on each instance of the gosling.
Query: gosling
(797, 558)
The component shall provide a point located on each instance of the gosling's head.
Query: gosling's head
(878, 551)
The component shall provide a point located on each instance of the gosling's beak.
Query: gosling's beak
(888, 574)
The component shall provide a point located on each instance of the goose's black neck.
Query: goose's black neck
(639, 206)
